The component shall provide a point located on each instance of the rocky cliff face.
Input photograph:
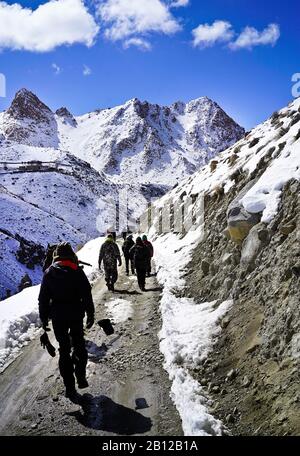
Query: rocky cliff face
(29, 121)
(249, 253)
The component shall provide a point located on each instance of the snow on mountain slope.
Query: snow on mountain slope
(148, 143)
(46, 202)
(58, 198)
(24, 229)
(244, 186)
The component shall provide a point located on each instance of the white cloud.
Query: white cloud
(86, 71)
(125, 18)
(140, 43)
(206, 35)
(52, 24)
(178, 3)
(56, 68)
(251, 37)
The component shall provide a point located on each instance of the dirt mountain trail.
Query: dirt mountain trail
(129, 392)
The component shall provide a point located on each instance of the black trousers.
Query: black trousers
(141, 276)
(111, 274)
(128, 262)
(70, 336)
(149, 267)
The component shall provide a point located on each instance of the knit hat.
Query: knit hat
(144, 237)
(139, 241)
(64, 251)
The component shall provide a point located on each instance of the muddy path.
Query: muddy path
(129, 391)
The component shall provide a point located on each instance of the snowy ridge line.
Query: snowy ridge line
(188, 333)
(19, 315)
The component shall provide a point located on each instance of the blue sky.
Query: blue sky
(248, 81)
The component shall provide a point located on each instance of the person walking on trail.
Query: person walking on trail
(128, 244)
(65, 297)
(149, 245)
(140, 254)
(110, 255)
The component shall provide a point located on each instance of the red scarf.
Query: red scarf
(69, 264)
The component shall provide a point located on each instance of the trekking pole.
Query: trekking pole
(84, 263)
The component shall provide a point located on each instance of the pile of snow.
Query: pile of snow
(120, 310)
(265, 195)
(19, 315)
(188, 333)
(19, 319)
(89, 253)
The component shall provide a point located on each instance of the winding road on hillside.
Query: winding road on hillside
(129, 392)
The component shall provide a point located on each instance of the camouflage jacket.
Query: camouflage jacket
(109, 254)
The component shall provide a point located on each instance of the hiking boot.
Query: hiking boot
(82, 383)
(71, 392)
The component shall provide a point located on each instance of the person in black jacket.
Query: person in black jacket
(65, 297)
(128, 244)
(151, 250)
(140, 254)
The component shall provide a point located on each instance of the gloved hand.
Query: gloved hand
(120, 262)
(89, 321)
(45, 325)
(45, 343)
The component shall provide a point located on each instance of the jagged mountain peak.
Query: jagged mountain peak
(29, 121)
(27, 105)
(66, 116)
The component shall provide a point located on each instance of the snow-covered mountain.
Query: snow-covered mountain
(29, 121)
(142, 142)
(136, 141)
(60, 174)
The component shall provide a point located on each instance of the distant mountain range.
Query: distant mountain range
(83, 163)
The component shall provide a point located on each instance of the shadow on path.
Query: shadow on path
(103, 414)
(154, 289)
(96, 352)
(128, 292)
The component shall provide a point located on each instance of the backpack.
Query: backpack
(141, 254)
